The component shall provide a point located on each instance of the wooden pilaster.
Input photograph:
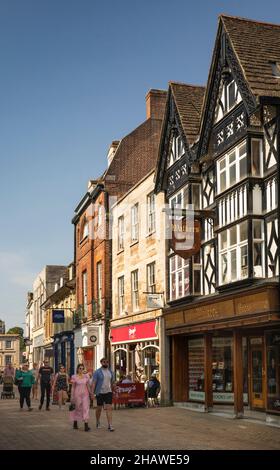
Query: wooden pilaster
(179, 368)
(208, 385)
(238, 374)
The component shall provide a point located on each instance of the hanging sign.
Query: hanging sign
(58, 316)
(185, 236)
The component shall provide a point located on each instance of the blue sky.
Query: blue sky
(74, 74)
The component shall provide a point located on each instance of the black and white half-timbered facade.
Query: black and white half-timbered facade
(219, 152)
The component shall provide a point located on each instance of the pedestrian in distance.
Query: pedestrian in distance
(102, 386)
(80, 398)
(45, 378)
(9, 371)
(26, 380)
(61, 383)
(153, 391)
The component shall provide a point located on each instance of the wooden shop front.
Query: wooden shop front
(227, 350)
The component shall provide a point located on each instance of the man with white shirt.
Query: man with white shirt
(102, 382)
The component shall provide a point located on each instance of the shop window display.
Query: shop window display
(222, 369)
(273, 371)
(120, 364)
(196, 369)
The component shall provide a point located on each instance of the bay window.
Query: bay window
(232, 168)
(179, 277)
(233, 253)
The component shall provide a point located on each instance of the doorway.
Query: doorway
(257, 372)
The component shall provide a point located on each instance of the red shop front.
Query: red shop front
(135, 350)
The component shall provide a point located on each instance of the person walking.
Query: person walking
(102, 383)
(9, 371)
(61, 383)
(35, 385)
(153, 391)
(45, 378)
(80, 397)
(26, 380)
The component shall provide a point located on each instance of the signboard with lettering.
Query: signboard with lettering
(58, 316)
(154, 301)
(186, 236)
(125, 393)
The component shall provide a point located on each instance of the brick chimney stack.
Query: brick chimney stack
(112, 150)
(155, 104)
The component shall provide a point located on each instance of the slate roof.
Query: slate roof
(256, 45)
(188, 99)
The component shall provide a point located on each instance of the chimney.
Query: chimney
(112, 150)
(155, 104)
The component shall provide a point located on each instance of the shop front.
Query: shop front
(64, 351)
(38, 348)
(89, 346)
(229, 351)
(135, 350)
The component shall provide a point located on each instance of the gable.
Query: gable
(179, 133)
(226, 89)
(173, 151)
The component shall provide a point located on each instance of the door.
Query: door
(257, 373)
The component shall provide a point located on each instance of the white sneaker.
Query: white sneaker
(110, 428)
(98, 425)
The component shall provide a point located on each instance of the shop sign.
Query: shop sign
(90, 336)
(217, 397)
(185, 236)
(129, 393)
(199, 396)
(38, 341)
(154, 301)
(134, 332)
(58, 316)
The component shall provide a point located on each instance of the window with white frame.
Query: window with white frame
(134, 290)
(8, 344)
(151, 213)
(85, 229)
(176, 151)
(232, 168)
(258, 248)
(121, 233)
(85, 291)
(135, 223)
(121, 294)
(257, 157)
(233, 253)
(99, 286)
(179, 276)
(151, 277)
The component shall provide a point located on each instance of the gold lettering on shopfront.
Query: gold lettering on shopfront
(245, 305)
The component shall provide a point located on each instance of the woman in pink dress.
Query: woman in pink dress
(80, 393)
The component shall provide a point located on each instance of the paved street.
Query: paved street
(157, 428)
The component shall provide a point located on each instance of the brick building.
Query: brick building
(128, 161)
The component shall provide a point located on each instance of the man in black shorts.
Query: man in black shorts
(102, 382)
(45, 377)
